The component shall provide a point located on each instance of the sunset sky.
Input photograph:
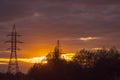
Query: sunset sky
(77, 24)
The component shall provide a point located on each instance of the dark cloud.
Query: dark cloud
(16, 9)
(62, 18)
(10, 10)
(101, 2)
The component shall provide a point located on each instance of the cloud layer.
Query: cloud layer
(42, 22)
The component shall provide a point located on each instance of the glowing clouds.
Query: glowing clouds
(82, 38)
(97, 48)
(68, 56)
(42, 59)
(89, 38)
(4, 61)
(39, 60)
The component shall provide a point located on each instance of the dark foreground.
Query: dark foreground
(86, 65)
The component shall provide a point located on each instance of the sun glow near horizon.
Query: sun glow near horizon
(33, 60)
(41, 59)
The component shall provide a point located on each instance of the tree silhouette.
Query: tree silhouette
(99, 65)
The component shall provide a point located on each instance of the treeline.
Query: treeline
(102, 64)
(9, 76)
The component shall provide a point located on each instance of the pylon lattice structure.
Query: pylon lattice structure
(13, 67)
(57, 50)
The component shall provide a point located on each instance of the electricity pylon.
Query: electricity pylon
(13, 67)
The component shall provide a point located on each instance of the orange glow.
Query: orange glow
(97, 48)
(42, 59)
(3, 63)
(27, 60)
(68, 56)
(37, 51)
(38, 59)
(44, 62)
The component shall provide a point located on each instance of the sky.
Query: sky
(77, 24)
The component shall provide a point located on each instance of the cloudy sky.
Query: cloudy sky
(76, 23)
